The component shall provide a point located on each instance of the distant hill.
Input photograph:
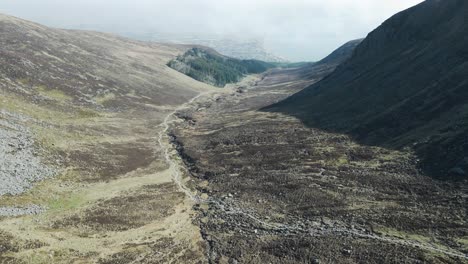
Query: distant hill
(341, 54)
(234, 47)
(405, 85)
(329, 63)
(208, 66)
(239, 49)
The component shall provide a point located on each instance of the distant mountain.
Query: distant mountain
(329, 63)
(405, 85)
(244, 49)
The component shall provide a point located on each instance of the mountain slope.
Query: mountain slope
(81, 168)
(405, 85)
(84, 65)
(75, 79)
(342, 54)
(329, 63)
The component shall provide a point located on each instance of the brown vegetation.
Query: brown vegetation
(280, 192)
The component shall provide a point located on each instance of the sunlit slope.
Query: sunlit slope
(82, 174)
(89, 67)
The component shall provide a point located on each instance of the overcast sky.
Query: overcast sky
(295, 29)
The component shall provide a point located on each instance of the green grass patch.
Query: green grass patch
(53, 94)
(407, 236)
(61, 139)
(87, 113)
(342, 161)
(24, 81)
(463, 242)
(47, 257)
(37, 258)
(105, 98)
(19, 105)
(67, 202)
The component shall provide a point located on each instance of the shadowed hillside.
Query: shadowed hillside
(329, 63)
(341, 54)
(405, 85)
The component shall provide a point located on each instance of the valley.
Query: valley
(280, 192)
(116, 151)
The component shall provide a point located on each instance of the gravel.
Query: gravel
(19, 211)
(20, 164)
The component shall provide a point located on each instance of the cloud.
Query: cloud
(298, 29)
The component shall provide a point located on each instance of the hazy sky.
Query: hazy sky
(295, 29)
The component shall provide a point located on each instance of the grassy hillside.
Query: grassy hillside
(405, 86)
(210, 67)
(79, 112)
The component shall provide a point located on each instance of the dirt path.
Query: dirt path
(169, 153)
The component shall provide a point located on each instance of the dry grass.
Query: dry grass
(94, 103)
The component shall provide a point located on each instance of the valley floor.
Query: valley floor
(271, 190)
(218, 181)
